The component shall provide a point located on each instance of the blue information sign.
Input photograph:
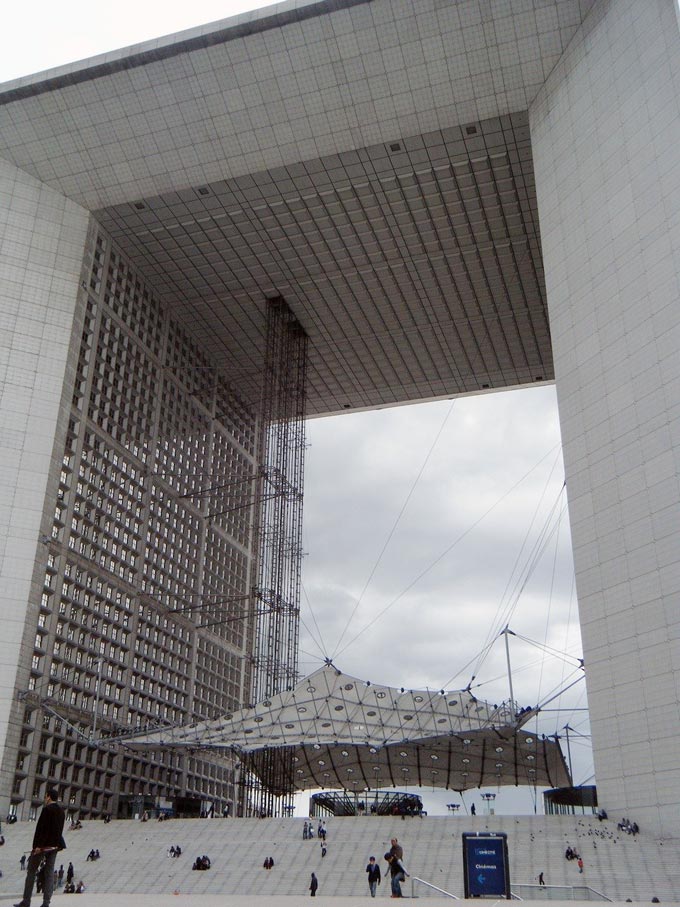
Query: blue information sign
(485, 864)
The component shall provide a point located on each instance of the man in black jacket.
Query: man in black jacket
(47, 841)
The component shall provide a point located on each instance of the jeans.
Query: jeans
(396, 884)
(32, 866)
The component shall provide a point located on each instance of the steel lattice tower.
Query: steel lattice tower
(276, 593)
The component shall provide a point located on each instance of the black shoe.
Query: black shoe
(21, 904)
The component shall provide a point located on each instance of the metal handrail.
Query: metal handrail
(434, 888)
(531, 888)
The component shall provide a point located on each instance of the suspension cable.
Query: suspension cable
(393, 529)
(445, 552)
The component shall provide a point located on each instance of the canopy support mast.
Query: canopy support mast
(507, 632)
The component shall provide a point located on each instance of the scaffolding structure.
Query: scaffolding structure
(279, 498)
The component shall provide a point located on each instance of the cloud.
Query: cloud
(427, 528)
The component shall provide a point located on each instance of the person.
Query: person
(541, 880)
(304, 831)
(314, 884)
(397, 870)
(70, 872)
(60, 876)
(80, 887)
(580, 864)
(22, 861)
(69, 888)
(473, 810)
(374, 877)
(47, 841)
(323, 849)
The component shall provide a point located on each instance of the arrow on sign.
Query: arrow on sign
(481, 879)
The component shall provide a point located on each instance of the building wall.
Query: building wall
(42, 238)
(605, 134)
(134, 537)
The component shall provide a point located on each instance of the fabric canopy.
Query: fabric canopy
(335, 731)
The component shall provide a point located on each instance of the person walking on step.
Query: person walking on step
(541, 880)
(47, 841)
(398, 871)
(313, 886)
(374, 877)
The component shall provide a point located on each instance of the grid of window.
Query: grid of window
(134, 561)
(174, 542)
(218, 680)
(124, 386)
(225, 582)
(90, 643)
(160, 669)
(207, 779)
(161, 773)
(188, 364)
(85, 355)
(134, 304)
(86, 772)
(182, 449)
(235, 416)
(98, 259)
(106, 521)
(232, 490)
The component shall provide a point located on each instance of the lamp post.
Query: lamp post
(489, 798)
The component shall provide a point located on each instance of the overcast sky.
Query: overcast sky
(427, 528)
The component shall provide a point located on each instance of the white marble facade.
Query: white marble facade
(42, 242)
(605, 135)
(605, 132)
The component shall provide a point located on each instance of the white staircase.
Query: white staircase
(134, 860)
